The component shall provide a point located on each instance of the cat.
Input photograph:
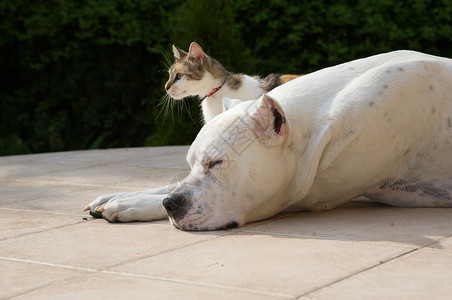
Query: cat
(197, 74)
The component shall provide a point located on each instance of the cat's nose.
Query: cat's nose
(167, 86)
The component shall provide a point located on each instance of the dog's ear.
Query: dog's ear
(178, 53)
(269, 119)
(196, 52)
(229, 103)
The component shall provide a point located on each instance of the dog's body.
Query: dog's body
(379, 127)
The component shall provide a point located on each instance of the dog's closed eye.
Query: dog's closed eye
(212, 164)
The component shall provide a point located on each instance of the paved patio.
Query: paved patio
(51, 249)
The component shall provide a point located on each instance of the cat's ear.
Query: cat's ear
(269, 120)
(196, 52)
(229, 103)
(178, 53)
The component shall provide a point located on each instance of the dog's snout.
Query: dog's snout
(176, 206)
(173, 202)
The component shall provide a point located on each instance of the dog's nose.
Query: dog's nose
(173, 202)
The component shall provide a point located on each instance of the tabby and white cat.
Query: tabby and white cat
(197, 74)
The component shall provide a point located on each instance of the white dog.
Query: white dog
(379, 127)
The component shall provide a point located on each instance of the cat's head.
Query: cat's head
(193, 73)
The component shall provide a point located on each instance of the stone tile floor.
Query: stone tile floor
(51, 249)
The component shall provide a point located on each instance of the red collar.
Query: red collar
(214, 90)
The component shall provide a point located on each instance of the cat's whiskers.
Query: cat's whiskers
(166, 102)
(188, 108)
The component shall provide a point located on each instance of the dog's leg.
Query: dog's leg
(141, 207)
(414, 194)
(136, 206)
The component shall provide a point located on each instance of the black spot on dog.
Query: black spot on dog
(350, 132)
(425, 189)
(371, 103)
(386, 183)
(385, 86)
(434, 191)
(431, 87)
(407, 188)
(231, 225)
(400, 69)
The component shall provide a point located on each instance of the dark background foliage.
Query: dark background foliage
(90, 74)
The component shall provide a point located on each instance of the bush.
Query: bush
(78, 75)
(302, 36)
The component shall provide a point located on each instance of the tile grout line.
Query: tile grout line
(113, 185)
(21, 293)
(166, 251)
(43, 211)
(43, 230)
(416, 249)
(357, 273)
(180, 281)
(187, 282)
(29, 261)
(42, 287)
(70, 184)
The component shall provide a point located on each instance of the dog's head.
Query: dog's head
(239, 164)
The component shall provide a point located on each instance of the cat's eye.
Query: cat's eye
(179, 76)
(214, 163)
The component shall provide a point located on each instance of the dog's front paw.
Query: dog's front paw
(96, 207)
(128, 207)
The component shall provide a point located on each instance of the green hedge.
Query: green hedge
(297, 36)
(90, 74)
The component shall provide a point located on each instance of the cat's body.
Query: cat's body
(237, 86)
(196, 74)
